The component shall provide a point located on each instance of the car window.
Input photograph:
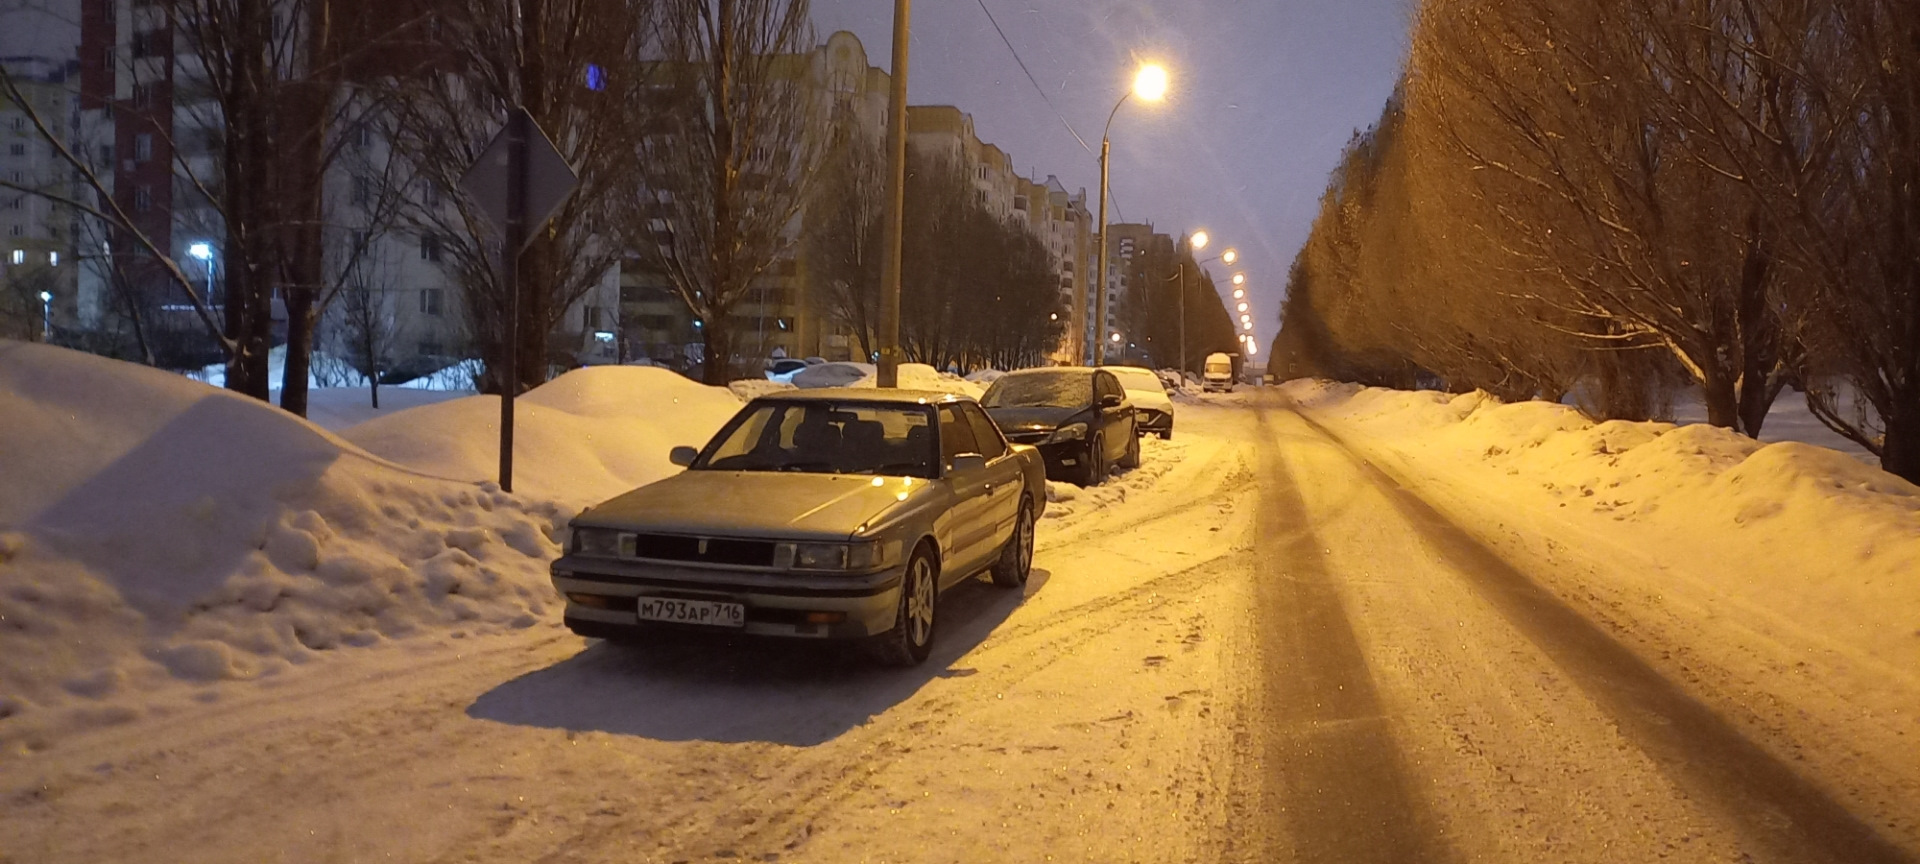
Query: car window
(956, 436)
(825, 438)
(985, 433)
(1039, 390)
(1105, 385)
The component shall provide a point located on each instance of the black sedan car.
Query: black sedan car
(1078, 417)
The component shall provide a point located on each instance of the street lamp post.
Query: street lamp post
(46, 316)
(1150, 83)
(1196, 242)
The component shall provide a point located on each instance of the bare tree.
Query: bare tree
(731, 156)
(843, 230)
(571, 64)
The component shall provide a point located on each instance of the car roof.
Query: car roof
(1050, 369)
(865, 394)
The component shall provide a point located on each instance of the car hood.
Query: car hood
(1037, 417)
(753, 504)
(1150, 400)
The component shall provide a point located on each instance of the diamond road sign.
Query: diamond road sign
(549, 178)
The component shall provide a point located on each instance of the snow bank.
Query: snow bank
(1803, 531)
(337, 408)
(749, 389)
(582, 438)
(157, 533)
(1067, 502)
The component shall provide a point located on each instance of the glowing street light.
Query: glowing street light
(201, 250)
(1244, 307)
(1247, 324)
(1229, 256)
(1239, 293)
(1239, 278)
(1199, 240)
(1116, 338)
(1150, 84)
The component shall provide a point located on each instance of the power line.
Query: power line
(1036, 84)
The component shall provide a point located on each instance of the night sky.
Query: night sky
(1264, 95)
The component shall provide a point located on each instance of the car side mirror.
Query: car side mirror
(966, 462)
(1111, 400)
(682, 456)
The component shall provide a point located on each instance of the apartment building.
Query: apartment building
(781, 315)
(1058, 219)
(37, 236)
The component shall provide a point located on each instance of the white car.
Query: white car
(1218, 373)
(1149, 398)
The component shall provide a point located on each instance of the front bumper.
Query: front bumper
(777, 603)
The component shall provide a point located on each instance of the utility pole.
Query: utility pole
(1100, 290)
(896, 203)
(1183, 319)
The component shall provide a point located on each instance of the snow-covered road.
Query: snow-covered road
(1268, 650)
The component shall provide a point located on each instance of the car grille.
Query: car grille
(704, 550)
(1019, 436)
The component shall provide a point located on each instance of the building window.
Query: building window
(1019, 202)
(142, 198)
(430, 247)
(143, 147)
(430, 301)
(362, 135)
(53, 259)
(16, 202)
(17, 150)
(429, 193)
(19, 123)
(19, 256)
(17, 231)
(362, 191)
(142, 96)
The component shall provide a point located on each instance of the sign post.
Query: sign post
(519, 182)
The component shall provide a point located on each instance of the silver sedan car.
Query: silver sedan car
(829, 514)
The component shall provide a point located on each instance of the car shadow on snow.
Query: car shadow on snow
(732, 689)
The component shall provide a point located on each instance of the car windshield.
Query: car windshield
(1040, 390)
(1137, 379)
(825, 438)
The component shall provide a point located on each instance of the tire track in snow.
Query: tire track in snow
(1702, 752)
(1330, 783)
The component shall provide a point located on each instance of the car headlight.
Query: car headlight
(836, 556)
(1069, 432)
(604, 542)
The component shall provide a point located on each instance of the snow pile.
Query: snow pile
(1797, 530)
(580, 439)
(985, 377)
(1065, 501)
(913, 376)
(155, 531)
(338, 408)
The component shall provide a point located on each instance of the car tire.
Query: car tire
(1093, 469)
(1166, 434)
(1016, 558)
(911, 639)
(1132, 459)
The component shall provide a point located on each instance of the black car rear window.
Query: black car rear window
(1040, 390)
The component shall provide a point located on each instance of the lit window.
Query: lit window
(142, 147)
(19, 256)
(53, 259)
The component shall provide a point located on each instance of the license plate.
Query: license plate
(711, 613)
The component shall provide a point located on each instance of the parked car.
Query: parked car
(784, 369)
(1149, 398)
(1217, 375)
(1078, 417)
(824, 514)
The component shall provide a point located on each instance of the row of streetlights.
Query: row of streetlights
(1150, 84)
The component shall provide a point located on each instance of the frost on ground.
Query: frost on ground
(1806, 543)
(158, 535)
